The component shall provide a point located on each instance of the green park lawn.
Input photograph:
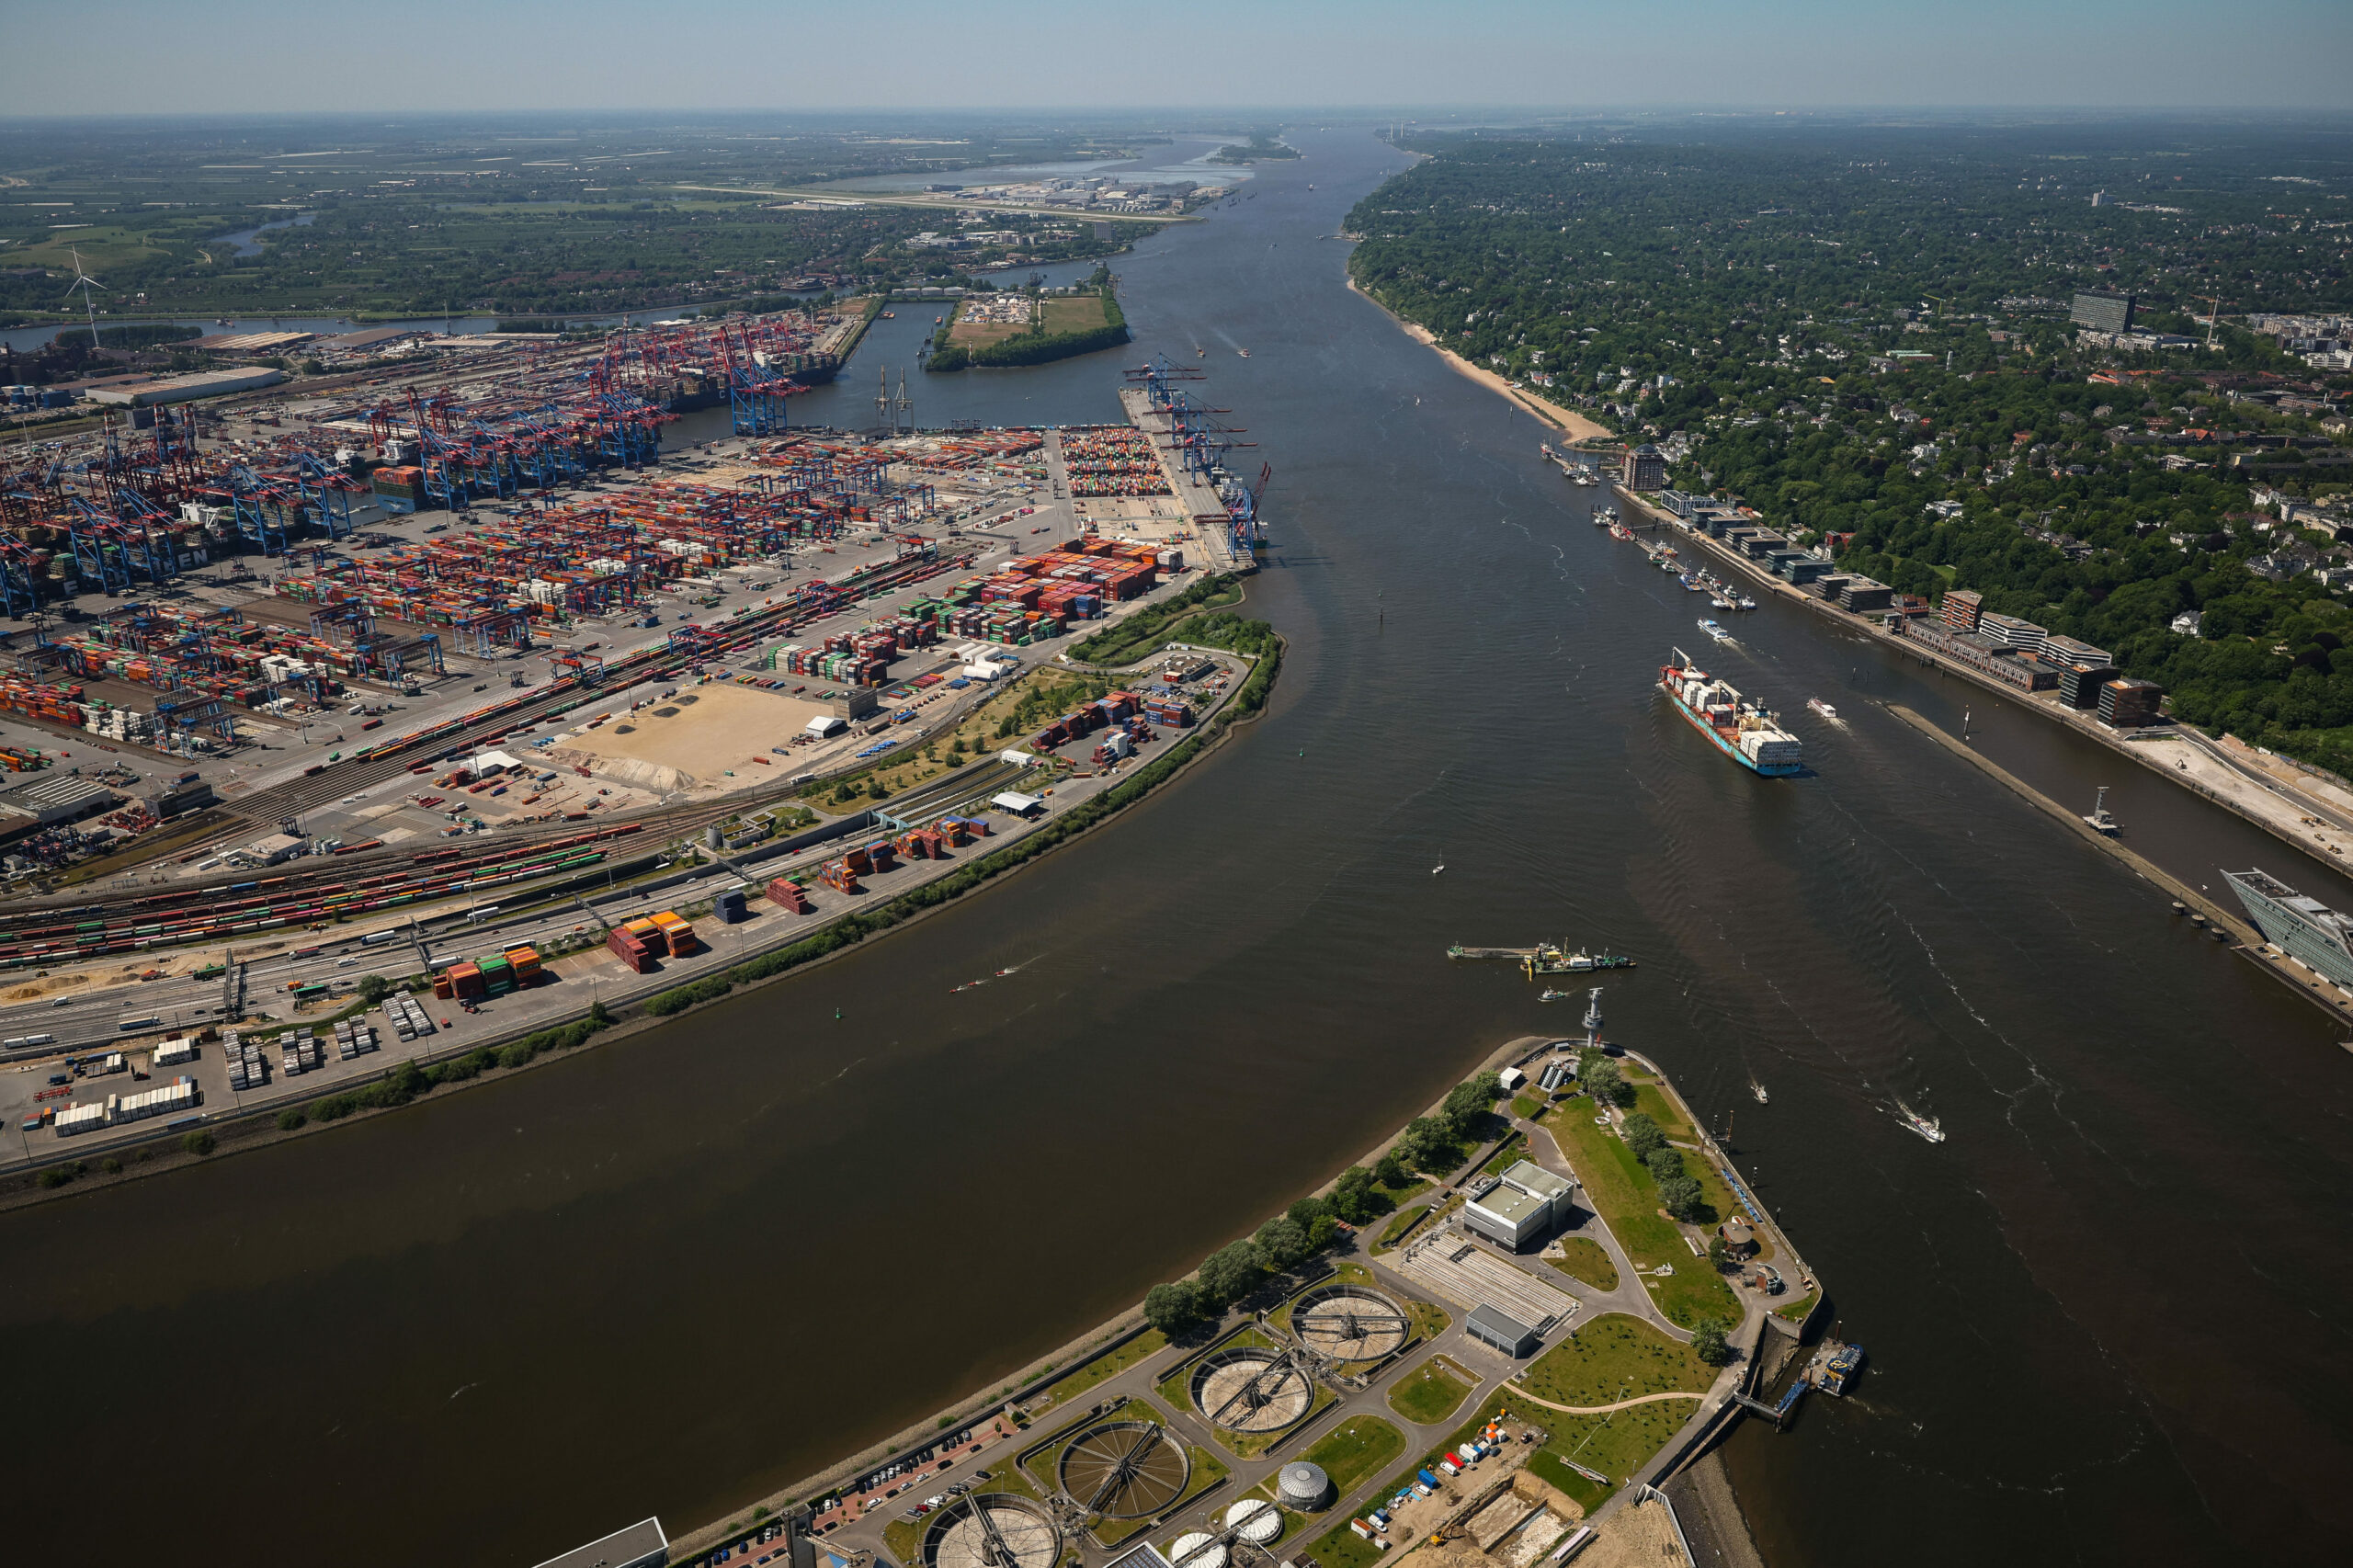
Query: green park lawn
(1612, 1358)
(1360, 1446)
(1102, 1368)
(1430, 1393)
(1622, 1192)
(1587, 1259)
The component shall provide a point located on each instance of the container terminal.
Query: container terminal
(273, 581)
(372, 701)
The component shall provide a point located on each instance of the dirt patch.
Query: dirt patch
(46, 987)
(727, 726)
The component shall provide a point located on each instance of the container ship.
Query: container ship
(1742, 730)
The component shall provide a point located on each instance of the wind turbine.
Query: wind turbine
(84, 282)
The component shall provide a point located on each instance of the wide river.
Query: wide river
(2106, 1320)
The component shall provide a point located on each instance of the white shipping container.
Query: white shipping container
(80, 1118)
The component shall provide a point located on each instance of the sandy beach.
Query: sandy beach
(1575, 425)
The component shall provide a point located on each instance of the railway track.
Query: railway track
(65, 927)
(395, 758)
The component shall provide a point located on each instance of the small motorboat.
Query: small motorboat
(1756, 1089)
(1712, 629)
(1552, 996)
(1928, 1127)
(1821, 707)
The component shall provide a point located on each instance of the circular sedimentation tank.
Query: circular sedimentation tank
(1124, 1469)
(1251, 1390)
(992, 1532)
(1349, 1322)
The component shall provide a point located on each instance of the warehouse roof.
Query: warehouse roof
(251, 342)
(1016, 803)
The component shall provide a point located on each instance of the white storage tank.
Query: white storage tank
(1255, 1520)
(1303, 1485)
(1196, 1549)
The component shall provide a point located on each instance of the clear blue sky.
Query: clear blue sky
(178, 56)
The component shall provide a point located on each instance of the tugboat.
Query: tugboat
(1552, 996)
(2101, 820)
(1928, 1127)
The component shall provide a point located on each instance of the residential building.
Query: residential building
(2127, 704)
(1644, 468)
(2102, 313)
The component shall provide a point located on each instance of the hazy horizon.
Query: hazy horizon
(254, 57)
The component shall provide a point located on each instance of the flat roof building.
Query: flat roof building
(2124, 704)
(1523, 1205)
(1507, 1334)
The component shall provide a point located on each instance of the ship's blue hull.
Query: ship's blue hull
(1768, 770)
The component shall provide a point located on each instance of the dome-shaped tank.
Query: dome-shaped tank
(1196, 1549)
(1303, 1485)
(1255, 1520)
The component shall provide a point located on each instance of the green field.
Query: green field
(1648, 1096)
(1587, 1259)
(1361, 1445)
(1343, 1548)
(1103, 1368)
(1621, 1190)
(1430, 1393)
(1615, 1357)
(1617, 1445)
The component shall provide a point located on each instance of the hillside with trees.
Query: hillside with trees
(1864, 337)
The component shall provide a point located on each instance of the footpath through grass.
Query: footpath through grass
(1626, 1197)
(1127, 640)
